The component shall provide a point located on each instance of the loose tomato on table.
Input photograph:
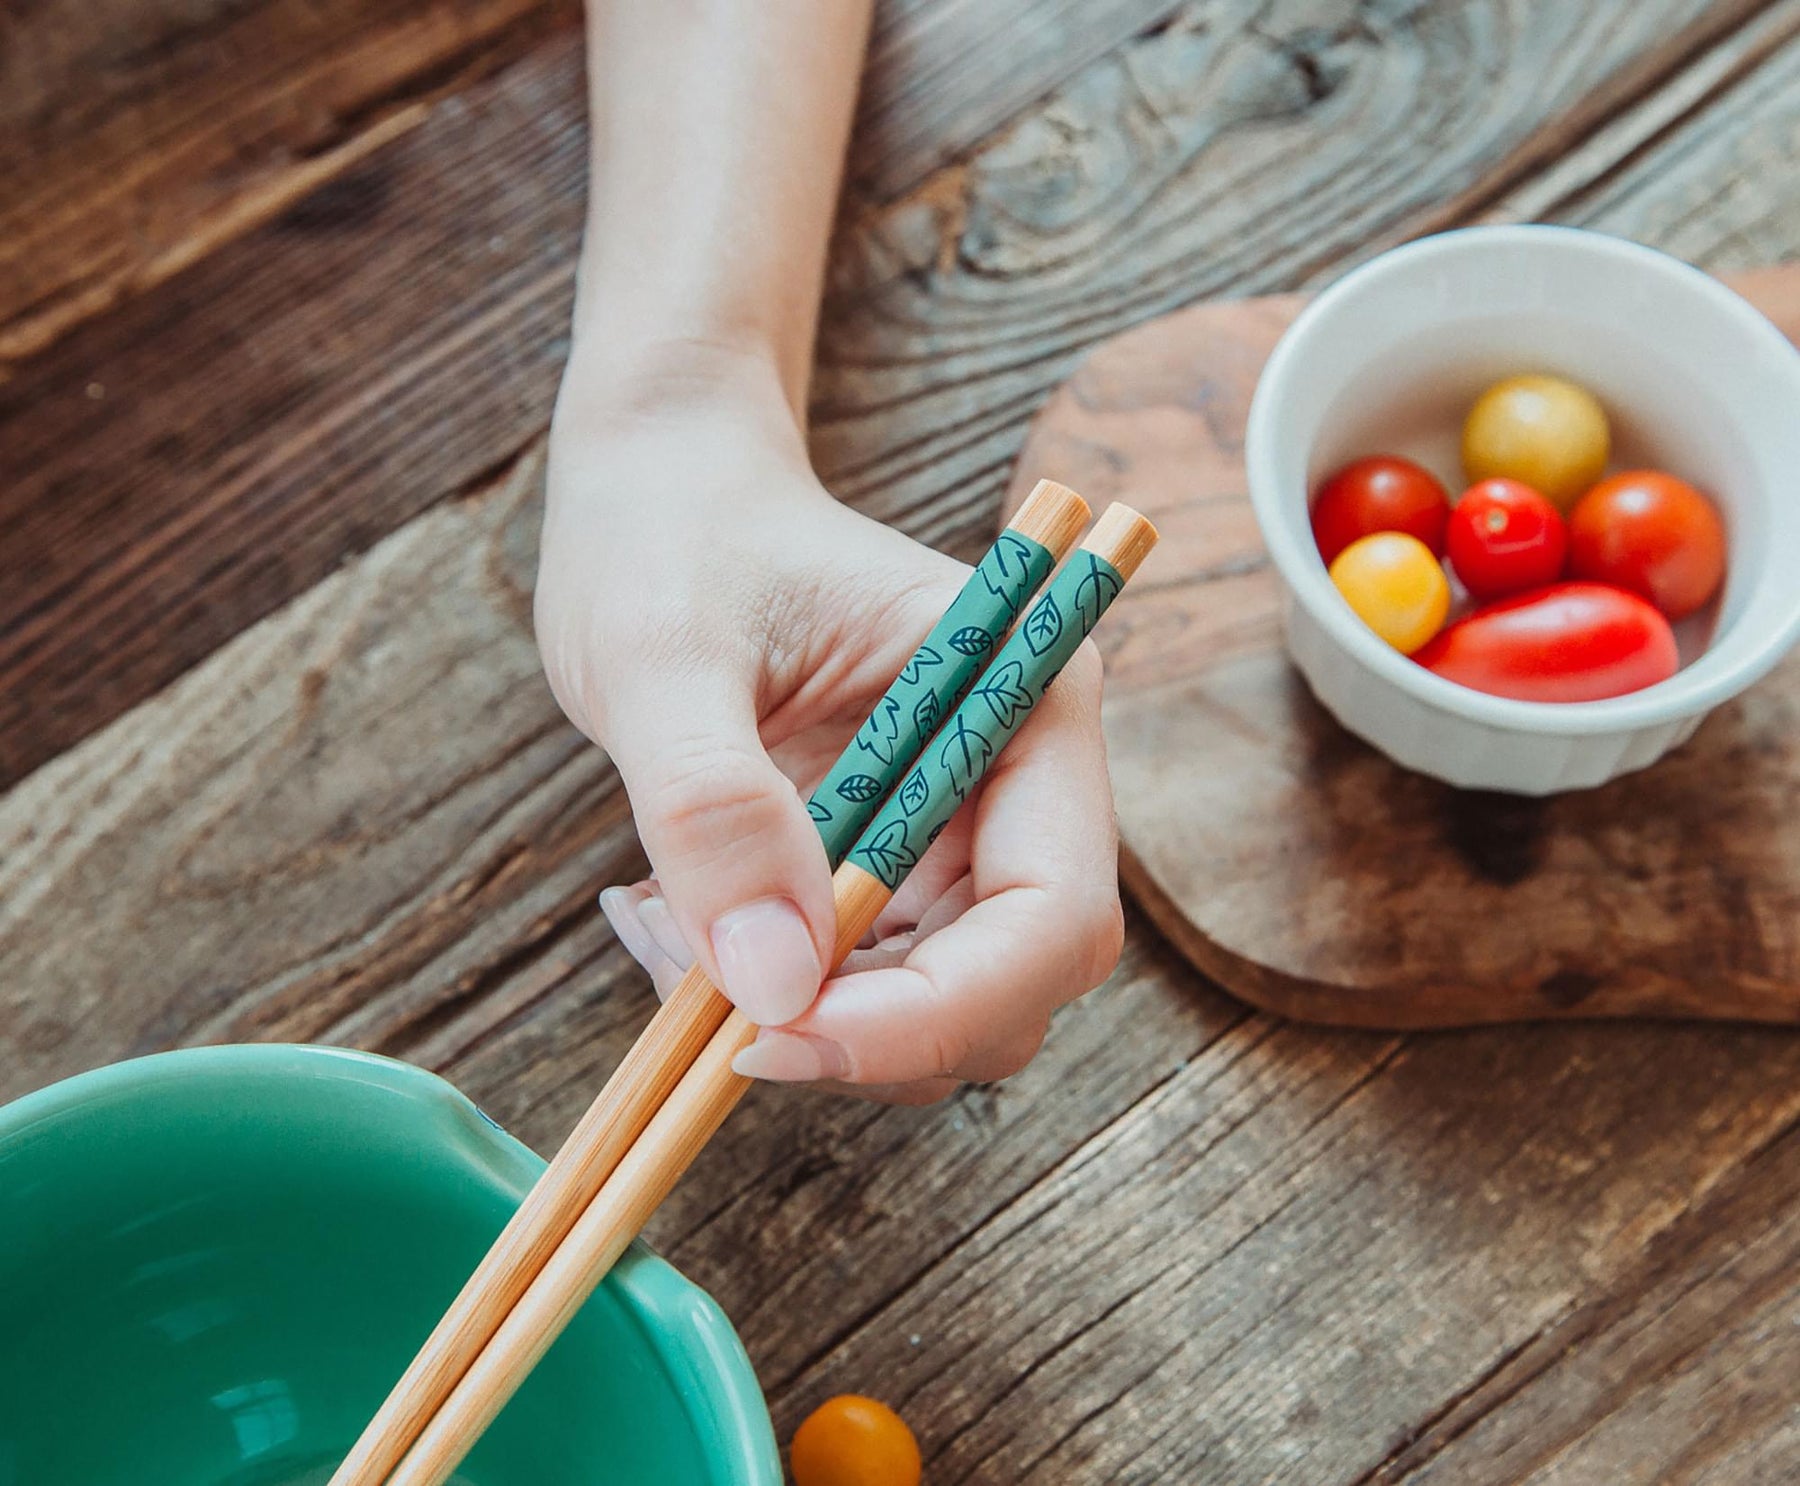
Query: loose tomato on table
(854, 1441)
(1504, 538)
(1570, 642)
(1653, 534)
(1380, 493)
(1394, 585)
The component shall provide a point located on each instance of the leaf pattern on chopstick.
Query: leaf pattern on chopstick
(964, 755)
(859, 789)
(1044, 624)
(924, 658)
(914, 793)
(1098, 588)
(888, 855)
(971, 640)
(926, 716)
(879, 734)
(1006, 569)
(1005, 692)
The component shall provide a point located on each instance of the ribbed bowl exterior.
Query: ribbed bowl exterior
(1461, 750)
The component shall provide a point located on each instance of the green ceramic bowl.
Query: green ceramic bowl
(214, 1263)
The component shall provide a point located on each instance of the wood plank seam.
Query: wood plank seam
(1256, 1028)
(1549, 1345)
(31, 327)
(1540, 153)
(977, 451)
(1705, 84)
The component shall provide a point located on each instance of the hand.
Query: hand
(714, 619)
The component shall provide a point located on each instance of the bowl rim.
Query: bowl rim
(683, 1327)
(1681, 695)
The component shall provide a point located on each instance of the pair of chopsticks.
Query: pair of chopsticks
(929, 741)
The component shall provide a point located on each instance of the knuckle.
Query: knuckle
(1109, 939)
(1101, 919)
(949, 1037)
(710, 793)
(951, 1047)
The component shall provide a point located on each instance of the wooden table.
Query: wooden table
(283, 286)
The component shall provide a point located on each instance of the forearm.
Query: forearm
(718, 135)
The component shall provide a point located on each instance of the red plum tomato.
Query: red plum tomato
(1570, 642)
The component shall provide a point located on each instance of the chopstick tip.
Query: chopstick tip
(1052, 516)
(1123, 537)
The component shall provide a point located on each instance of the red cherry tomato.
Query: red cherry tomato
(1652, 534)
(1571, 642)
(1381, 493)
(1504, 537)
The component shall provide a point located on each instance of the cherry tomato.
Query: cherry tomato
(1380, 493)
(1652, 534)
(1396, 586)
(854, 1441)
(1548, 433)
(1504, 538)
(1571, 642)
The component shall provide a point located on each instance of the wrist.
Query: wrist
(627, 384)
(689, 332)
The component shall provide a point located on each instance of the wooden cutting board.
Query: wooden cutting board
(1296, 865)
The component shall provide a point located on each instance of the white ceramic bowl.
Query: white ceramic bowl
(1389, 359)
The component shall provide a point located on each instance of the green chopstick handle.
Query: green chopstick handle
(987, 718)
(933, 681)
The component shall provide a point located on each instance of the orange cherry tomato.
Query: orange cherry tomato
(1396, 587)
(1652, 534)
(854, 1441)
(1380, 493)
(1504, 538)
(1570, 642)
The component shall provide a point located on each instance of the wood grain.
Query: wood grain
(943, 74)
(138, 135)
(1265, 1267)
(1243, 147)
(363, 820)
(386, 342)
(273, 855)
(323, 874)
(1680, 1371)
(305, 386)
(218, 847)
(1307, 873)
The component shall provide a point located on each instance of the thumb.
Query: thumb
(739, 860)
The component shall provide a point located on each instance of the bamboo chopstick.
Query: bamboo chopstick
(956, 759)
(1042, 531)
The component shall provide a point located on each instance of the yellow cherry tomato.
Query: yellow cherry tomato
(1395, 586)
(1543, 431)
(854, 1441)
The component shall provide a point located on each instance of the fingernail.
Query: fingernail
(791, 1058)
(620, 909)
(655, 916)
(766, 960)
